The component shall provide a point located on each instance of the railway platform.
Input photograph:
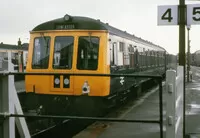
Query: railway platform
(146, 108)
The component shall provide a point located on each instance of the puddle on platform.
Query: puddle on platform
(194, 136)
(194, 109)
(197, 88)
(194, 106)
(197, 74)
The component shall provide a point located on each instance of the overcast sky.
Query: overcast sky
(138, 17)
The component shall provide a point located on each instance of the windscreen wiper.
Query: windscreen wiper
(45, 41)
(91, 44)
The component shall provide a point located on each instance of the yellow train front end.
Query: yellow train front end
(59, 47)
(68, 52)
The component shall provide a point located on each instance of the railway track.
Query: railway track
(42, 128)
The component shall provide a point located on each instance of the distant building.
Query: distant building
(15, 50)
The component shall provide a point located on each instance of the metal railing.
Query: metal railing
(174, 85)
(8, 115)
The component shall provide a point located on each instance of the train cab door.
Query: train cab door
(62, 63)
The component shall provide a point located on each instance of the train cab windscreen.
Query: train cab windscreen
(63, 52)
(88, 49)
(41, 50)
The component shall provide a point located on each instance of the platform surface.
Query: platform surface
(147, 108)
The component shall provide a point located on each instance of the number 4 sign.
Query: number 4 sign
(168, 15)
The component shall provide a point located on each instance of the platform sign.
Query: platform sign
(168, 15)
(193, 14)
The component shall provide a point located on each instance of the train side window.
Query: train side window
(63, 52)
(41, 50)
(88, 51)
(121, 46)
(130, 50)
(111, 54)
(114, 54)
(136, 57)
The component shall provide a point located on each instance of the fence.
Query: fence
(174, 83)
(11, 112)
(9, 104)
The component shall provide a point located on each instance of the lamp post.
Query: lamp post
(21, 60)
(188, 54)
(182, 24)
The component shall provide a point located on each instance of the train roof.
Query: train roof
(197, 52)
(85, 23)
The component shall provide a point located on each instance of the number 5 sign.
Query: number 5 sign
(193, 14)
(168, 15)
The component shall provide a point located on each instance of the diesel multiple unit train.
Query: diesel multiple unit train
(74, 44)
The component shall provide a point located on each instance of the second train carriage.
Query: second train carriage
(74, 44)
(195, 58)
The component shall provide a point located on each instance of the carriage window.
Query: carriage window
(41, 48)
(121, 47)
(88, 49)
(63, 52)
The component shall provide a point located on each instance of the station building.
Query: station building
(19, 55)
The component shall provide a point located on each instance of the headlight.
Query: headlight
(57, 81)
(66, 81)
(67, 17)
(85, 88)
